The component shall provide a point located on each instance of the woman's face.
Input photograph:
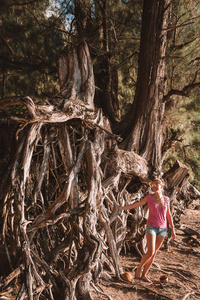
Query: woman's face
(156, 186)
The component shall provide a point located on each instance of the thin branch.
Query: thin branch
(178, 26)
(25, 3)
(7, 44)
(185, 92)
(25, 63)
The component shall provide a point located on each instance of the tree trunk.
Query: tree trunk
(142, 128)
(106, 78)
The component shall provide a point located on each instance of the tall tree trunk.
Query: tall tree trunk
(144, 119)
(106, 77)
(83, 18)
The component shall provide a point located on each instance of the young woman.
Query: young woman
(159, 214)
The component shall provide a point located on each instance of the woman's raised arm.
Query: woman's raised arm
(135, 204)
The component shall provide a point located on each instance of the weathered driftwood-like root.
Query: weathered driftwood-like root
(11, 277)
(47, 216)
(43, 169)
(76, 75)
(94, 188)
(92, 230)
(93, 157)
(111, 242)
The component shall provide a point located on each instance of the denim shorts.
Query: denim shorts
(156, 231)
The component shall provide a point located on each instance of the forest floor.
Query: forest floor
(181, 264)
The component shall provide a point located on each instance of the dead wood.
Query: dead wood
(10, 277)
(134, 165)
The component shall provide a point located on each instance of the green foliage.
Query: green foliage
(183, 51)
(29, 46)
(185, 117)
(183, 70)
(125, 48)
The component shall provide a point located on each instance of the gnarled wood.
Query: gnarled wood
(76, 76)
(133, 164)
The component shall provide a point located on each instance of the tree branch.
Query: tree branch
(7, 44)
(185, 92)
(178, 26)
(26, 63)
(25, 3)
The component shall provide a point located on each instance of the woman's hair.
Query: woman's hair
(158, 180)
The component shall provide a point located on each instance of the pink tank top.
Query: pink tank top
(157, 214)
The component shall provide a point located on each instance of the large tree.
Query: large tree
(74, 163)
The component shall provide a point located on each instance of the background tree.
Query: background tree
(29, 45)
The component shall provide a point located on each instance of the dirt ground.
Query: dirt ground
(181, 264)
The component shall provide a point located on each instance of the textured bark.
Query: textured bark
(76, 76)
(142, 127)
(106, 79)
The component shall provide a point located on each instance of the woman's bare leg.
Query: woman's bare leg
(151, 242)
(159, 241)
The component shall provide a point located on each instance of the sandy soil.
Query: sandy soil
(181, 264)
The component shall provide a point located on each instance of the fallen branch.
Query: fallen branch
(11, 276)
